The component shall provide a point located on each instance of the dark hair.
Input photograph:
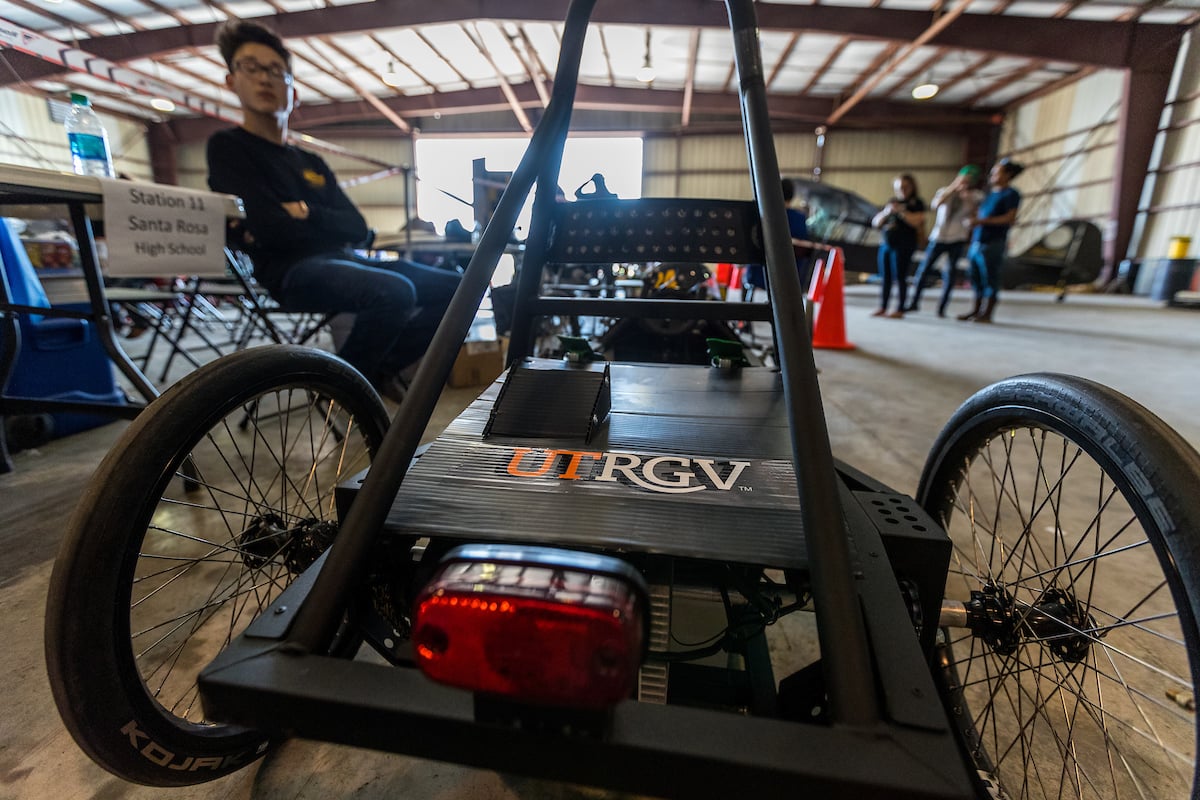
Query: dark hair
(235, 32)
(1011, 167)
(789, 190)
(907, 176)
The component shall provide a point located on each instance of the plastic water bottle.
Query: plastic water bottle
(88, 139)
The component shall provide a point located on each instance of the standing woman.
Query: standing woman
(900, 220)
(996, 216)
(955, 206)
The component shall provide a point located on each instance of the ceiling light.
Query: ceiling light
(391, 77)
(162, 104)
(924, 90)
(646, 73)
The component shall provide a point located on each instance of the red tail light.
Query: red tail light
(533, 624)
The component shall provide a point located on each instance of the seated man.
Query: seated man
(300, 226)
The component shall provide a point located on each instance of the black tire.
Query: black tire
(156, 574)
(1075, 520)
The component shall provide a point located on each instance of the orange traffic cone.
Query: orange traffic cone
(829, 327)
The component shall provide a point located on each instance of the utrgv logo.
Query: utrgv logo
(666, 474)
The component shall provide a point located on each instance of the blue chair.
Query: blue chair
(59, 358)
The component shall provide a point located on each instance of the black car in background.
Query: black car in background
(842, 218)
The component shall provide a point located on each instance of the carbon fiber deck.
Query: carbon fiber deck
(692, 462)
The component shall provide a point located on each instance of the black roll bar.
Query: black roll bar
(843, 640)
(844, 654)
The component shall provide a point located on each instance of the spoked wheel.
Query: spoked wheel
(209, 505)
(1075, 522)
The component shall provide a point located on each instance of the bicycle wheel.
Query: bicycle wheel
(1074, 520)
(207, 507)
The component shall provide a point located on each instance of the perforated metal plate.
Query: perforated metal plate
(657, 229)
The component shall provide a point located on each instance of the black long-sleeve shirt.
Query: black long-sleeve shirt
(266, 175)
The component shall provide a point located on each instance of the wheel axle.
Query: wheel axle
(1058, 621)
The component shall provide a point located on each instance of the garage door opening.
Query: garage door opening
(444, 172)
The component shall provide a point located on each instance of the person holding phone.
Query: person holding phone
(901, 220)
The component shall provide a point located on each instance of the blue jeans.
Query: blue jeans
(397, 305)
(893, 268)
(953, 251)
(987, 258)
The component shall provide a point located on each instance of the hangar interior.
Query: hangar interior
(1099, 99)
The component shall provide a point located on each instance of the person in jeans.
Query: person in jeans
(301, 228)
(955, 205)
(900, 220)
(989, 236)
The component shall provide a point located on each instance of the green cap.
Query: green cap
(969, 171)
(79, 99)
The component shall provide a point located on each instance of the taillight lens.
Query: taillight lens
(533, 624)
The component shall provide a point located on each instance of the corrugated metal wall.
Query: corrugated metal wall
(191, 165)
(30, 138)
(859, 161)
(687, 166)
(1067, 142)
(682, 166)
(1171, 205)
(866, 162)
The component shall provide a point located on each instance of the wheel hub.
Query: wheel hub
(1058, 622)
(268, 539)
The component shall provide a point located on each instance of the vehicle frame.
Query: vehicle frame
(903, 734)
(865, 717)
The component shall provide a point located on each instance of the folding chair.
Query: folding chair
(264, 316)
(222, 313)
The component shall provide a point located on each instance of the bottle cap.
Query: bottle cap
(79, 99)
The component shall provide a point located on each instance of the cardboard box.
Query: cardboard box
(479, 363)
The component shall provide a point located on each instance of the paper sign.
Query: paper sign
(162, 230)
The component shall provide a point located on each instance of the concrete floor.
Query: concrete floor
(884, 401)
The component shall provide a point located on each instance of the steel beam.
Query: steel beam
(784, 109)
(1103, 44)
(1137, 127)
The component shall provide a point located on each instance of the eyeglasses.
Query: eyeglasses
(253, 69)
